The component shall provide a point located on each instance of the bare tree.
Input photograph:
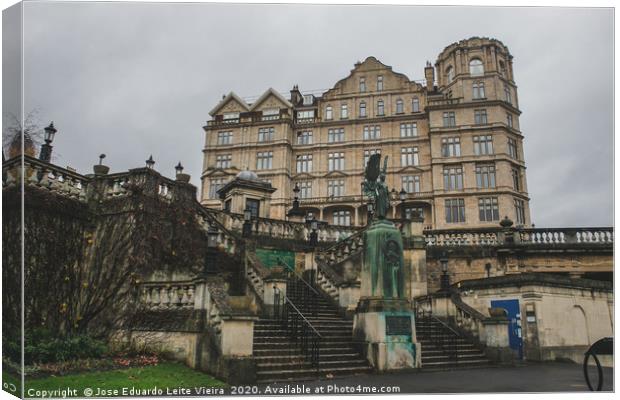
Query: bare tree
(30, 126)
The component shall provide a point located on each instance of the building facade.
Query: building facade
(453, 142)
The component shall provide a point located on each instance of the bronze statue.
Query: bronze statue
(374, 189)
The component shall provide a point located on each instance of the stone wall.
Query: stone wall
(561, 317)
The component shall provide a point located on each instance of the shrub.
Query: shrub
(42, 347)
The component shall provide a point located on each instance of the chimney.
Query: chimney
(295, 95)
(429, 74)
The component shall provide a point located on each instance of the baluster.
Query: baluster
(164, 298)
(155, 296)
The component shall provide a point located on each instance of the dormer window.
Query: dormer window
(308, 100)
(271, 113)
(305, 116)
(379, 83)
(475, 67)
(362, 84)
(450, 74)
(231, 117)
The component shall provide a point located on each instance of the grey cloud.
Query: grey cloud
(131, 79)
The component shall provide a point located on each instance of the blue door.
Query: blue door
(514, 327)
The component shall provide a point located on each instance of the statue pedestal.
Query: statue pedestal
(384, 319)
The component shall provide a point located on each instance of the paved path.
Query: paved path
(530, 377)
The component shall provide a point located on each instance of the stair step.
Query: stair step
(288, 350)
(327, 357)
(327, 365)
(462, 363)
(283, 375)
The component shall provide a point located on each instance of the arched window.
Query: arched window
(415, 105)
(362, 109)
(380, 108)
(450, 74)
(475, 67)
(399, 107)
(478, 90)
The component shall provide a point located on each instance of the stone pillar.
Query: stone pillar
(384, 318)
(415, 257)
(270, 286)
(496, 338)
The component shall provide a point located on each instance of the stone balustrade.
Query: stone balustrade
(480, 237)
(71, 184)
(283, 229)
(45, 176)
(520, 236)
(567, 235)
(226, 239)
(343, 249)
(167, 295)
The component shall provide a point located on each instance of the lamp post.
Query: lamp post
(46, 148)
(150, 163)
(296, 191)
(179, 169)
(247, 223)
(211, 258)
(313, 224)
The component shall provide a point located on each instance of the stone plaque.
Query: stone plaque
(398, 325)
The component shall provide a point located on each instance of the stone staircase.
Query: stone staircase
(429, 330)
(278, 358)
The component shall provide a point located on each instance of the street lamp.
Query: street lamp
(247, 223)
(179, 168)
(46, 148)
(150, 163)
(445, 278)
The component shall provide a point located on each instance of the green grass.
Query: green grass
(162, 376)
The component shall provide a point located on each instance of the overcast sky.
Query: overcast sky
(133, 79)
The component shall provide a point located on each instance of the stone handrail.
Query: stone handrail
(329, 281)
(225, 238)
(466, 317)
(567, 235)
(472, 237)
(71, 184)
(451, 308)
(342, 249)
(282, 229)
(45, 176)
(520, 236)
(256, 273)
(167, 295)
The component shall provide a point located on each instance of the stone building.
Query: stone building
(453, 141)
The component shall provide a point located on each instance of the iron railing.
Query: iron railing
(440, 333)
(300, 290)
(306, 337)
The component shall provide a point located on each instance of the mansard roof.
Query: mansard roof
(230, 97)
(265, 96)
